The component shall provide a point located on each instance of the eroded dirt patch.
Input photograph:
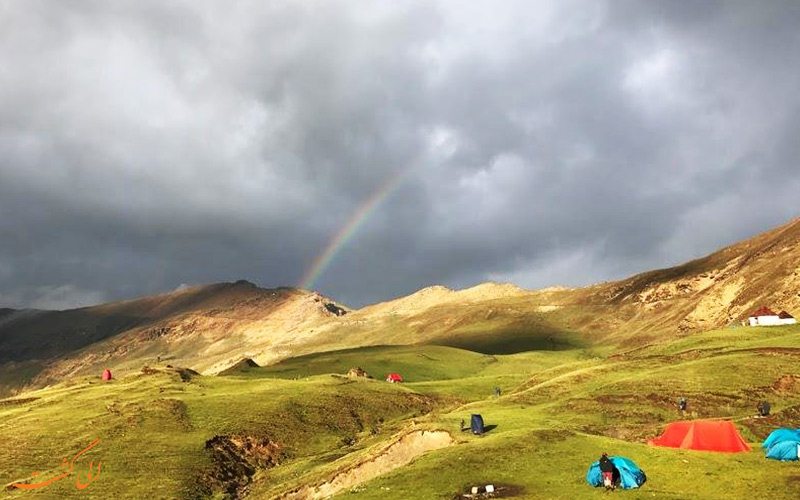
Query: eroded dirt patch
(401, 452)
(235, 459)
(762, 426)
(787, 383)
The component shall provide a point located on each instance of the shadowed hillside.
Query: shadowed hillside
(198, 326)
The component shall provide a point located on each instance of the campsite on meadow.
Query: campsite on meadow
(685, 377)
(488, 392)
(272, 431)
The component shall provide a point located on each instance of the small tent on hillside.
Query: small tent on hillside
(394, 377)
(476, 424)
(627, 474)
(706, 435)
(107, 374)
(783, 444)
(782, 434)
(784, 451)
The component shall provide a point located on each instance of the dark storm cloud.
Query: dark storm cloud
(144, 145)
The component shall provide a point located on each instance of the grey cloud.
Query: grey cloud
(148, 144)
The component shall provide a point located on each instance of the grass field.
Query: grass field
(558, 410)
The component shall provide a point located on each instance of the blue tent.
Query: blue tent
(782, 434)
(477, 424)
(783, 450)
(630, 475)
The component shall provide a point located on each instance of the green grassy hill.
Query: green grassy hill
(168, 433)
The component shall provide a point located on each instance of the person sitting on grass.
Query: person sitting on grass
(607, 469)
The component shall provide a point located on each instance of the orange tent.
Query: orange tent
(106, 375)
(708, 435)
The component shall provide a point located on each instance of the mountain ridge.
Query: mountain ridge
(212, 327)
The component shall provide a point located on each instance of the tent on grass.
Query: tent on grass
(782, 434)
(706, 435)
(106, 374)
(476, 424)
(626, 473)
(394, 377)
(784, 451)
(783, 444)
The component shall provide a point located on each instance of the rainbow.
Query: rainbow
(360, 215)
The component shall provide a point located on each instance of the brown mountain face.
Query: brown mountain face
(721, 288)
(211, 328)
(197, 326)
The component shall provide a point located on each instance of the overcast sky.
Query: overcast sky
(150, 144)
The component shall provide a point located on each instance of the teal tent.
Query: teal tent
(783, 444)
(782, 434)
(784, 451)
(627, 474)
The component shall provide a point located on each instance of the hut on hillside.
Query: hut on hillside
(764, 316)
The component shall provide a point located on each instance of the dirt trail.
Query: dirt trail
(397, 454)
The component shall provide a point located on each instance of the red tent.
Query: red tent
(107, 374)
(708, 435)
(394, 377)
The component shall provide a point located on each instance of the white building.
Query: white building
(765, 316)
(786, 318)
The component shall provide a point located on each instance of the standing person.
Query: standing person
(682, 404)
(607, 469)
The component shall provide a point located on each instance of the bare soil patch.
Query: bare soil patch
(235, 459)
(399, 453)
(787, 383)
(762, 426)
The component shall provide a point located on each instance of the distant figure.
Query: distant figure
(607, 469)
(497, 392)
(763, 408)
(463, 425)
(682, 404)
(106, 375)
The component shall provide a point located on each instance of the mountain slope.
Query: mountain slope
(211, 328)
(721, 288)
(197, 326)
(711, 292)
